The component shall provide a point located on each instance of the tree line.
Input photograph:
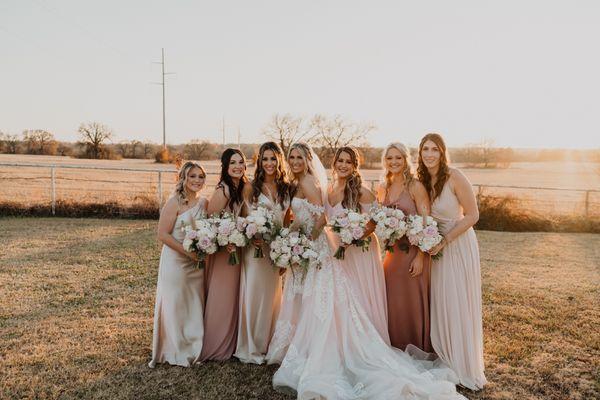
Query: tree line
(324, 133)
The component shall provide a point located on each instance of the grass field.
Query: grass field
(32, 185)
(77, 302)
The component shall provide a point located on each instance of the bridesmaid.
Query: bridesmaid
(456, 317)
(364, 268)
(178, 320)
(260, 286)
(222, 279)
(407, 268)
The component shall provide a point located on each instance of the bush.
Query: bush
(163, 156)
(502, 214)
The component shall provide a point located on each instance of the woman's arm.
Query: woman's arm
(312, 192)
(166, 222)
(218, 200)
(367, 198)
(466, 198)
(419, 195)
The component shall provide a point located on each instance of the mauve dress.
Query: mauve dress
(407, 296)
(222, 307)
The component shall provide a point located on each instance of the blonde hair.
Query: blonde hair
(353, 184)
(408, 171)
(182, 177)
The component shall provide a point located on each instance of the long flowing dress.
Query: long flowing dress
(456, 317)
(407, 296)
(336, 352)
(260, 299)
(291, 301)
(178, 318)
(365, 271)
(222, 307)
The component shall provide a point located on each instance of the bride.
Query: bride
(334, 351)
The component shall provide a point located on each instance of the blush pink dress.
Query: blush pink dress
(407, 296)
(365, 271)
(456, 317)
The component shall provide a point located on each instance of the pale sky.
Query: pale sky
(524, 73)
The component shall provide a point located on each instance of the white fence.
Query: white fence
(30, 183)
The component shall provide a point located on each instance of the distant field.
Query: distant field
(32, 185)
(78, 294)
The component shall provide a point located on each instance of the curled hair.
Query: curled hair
(182, 177)
(408, 171)
(304, 149)
(281, 180)
(443, 171)
(235, 191)
(353, 184)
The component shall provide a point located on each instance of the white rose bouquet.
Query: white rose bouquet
(261, 223)
(391, 225)
(231, 230)
(350, 226)
(423, 233)
(292, 247)
(200, 238)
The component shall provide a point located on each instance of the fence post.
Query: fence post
(587, 203)
(160, 192)
(479, 193)
(53, 189)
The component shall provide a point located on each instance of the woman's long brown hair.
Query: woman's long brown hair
(443, 171)
(353, 182)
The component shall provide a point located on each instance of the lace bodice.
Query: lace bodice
(306, 212)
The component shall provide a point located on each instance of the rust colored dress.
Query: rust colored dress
(407, 296)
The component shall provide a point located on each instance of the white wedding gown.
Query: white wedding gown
(335, 352)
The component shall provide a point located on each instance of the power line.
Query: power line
(162, 83)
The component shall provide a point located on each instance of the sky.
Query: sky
(519, 73)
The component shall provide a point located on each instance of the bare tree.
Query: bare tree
(331, 133)
(93, 135)
(124, 147)
(199, 149)
(39, 141)
(285, 130)
(9, 143)
(148, 149)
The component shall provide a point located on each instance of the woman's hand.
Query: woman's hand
(193, 256)
(258, 242)
(416, 266)
(231, 248)
(438, 248)
(282, 271)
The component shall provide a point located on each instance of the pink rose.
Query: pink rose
(204, 242)
(192, 235)
(393, 223)
(430, 231)
(357, 233)
(251, 230)
(343, 222)
(297, 250)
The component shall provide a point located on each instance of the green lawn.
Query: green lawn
(78, 294)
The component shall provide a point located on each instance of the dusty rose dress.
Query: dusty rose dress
(456, 317)
(178, 319)
(365, 273)
(222, 307)
(407, 296)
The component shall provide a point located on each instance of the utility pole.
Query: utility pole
(162, 83)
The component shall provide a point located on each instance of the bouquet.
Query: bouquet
(423, 233)
(231, 230)
(262, 222)
(200, 238)
(292, 247)
(350, 227)
(391, 225)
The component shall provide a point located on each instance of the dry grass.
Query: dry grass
(77, 301)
